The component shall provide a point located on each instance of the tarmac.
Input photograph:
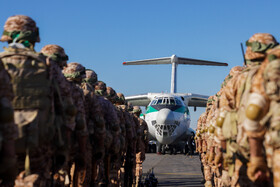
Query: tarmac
(174, 170)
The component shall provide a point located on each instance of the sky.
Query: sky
(101, 34)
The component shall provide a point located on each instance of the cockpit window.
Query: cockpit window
(159, 101)
(166, 101)
(178, 102)
(172, 102)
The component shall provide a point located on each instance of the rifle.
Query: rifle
(243, 54)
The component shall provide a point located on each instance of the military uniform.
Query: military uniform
(112, 135)
(262, 121)
(80, 151)
(235, 98)
(97, 128)
(33, 104)
(142, 143)
(8, 131)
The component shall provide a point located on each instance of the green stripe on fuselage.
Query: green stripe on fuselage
(151, 109)
(181, 110)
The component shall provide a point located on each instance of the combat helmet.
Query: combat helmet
(137, 110)
(121, 99)
(233, 71)
(258, 45)
(91, 77)
(74, 72)
(111, 94)
(56, 53)
(100, 88)
(271, 73)
(21, 29)
(129, 106)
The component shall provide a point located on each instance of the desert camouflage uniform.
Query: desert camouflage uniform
(8, 131)
(236, 96)
(57, 54)
(130, 146)
(33, 108)
(112, 134)
(79, 155)
(116, 131)
(97, 129)
(142, 143)
(262, 121)
(221, 177)
(123, 142)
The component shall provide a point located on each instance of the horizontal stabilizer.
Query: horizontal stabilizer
(175, 59)
(191, 61)
(166, 60)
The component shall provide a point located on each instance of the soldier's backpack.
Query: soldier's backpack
(33, 101)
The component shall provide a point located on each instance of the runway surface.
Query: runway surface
(174, 170)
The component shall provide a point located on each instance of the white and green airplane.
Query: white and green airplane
(167, 114)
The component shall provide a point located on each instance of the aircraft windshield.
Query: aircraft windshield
(166, 101)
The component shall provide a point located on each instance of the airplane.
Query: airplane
(167, 114)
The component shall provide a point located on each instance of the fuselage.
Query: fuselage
(168, 118)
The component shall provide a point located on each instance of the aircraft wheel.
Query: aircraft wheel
(153, 148)
(171, 149)
(175, 150)
(163, 149)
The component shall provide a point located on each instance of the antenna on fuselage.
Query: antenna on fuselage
(174, 61)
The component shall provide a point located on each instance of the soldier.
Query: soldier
(122, 137)
(57, 54)
(232, 116)
(130, 139)
(94, 118)
(142, 144)
(223, 179)
(112, 128)
(33, 104)
(262, 122)
(8, 131)
(98, 133)
(80, 153)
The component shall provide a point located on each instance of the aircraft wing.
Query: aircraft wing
(195, 100)
(138, 100)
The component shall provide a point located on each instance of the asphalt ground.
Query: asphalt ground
(174, 170)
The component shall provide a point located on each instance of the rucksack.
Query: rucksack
(33, 101)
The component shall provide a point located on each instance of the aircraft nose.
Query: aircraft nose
(165, 116)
